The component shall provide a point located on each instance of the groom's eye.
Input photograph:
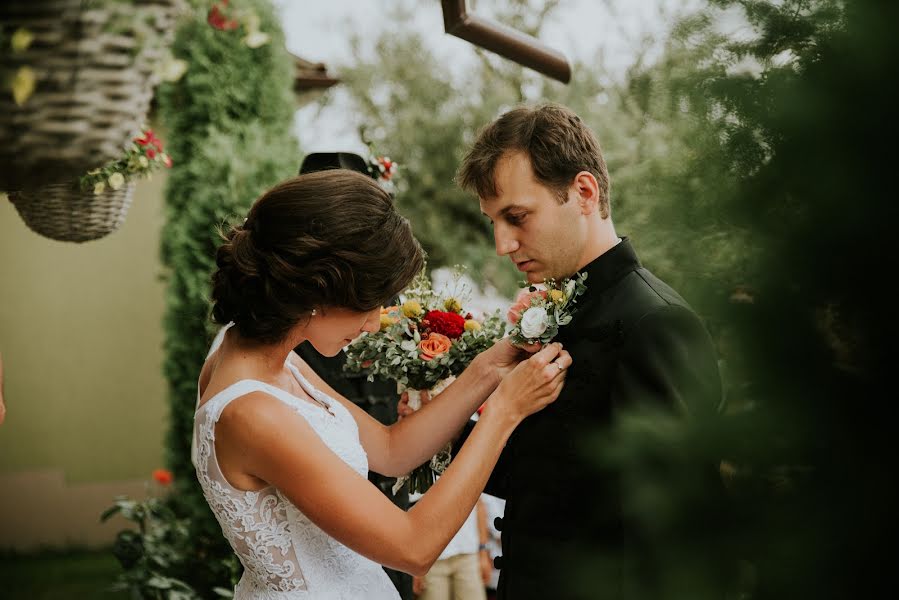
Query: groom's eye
(515, 219)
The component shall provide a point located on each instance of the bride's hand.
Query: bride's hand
(532, 385)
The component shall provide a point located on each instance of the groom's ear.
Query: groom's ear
(586, 192)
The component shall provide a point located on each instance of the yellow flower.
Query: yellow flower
(116, 181)
(412, 309)
(23, 84)
(452, 305)
(557, 296)
(99, 188)
(387, 321)
(21, 39)
(472, 325)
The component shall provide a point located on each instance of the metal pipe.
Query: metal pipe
(505, 41)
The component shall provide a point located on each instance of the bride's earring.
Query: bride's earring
(313, 312)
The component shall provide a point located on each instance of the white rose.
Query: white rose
(116, 181)
(533, 322)
(256, 39)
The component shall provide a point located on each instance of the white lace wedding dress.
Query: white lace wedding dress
(284, 554)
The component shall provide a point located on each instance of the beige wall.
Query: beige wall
(81, 338)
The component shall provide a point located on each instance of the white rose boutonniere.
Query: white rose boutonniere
(540, 310)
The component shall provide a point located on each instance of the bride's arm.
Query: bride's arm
(275, 444)
(394, 450)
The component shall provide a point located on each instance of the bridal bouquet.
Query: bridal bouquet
(423, 343)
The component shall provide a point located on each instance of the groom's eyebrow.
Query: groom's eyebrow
(506, 210)
(512, 207)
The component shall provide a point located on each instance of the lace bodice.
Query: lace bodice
(284, 554)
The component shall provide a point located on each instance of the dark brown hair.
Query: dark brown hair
(557, 142)
(330, 238)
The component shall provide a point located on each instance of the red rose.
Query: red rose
(151, 153)
(449, 324)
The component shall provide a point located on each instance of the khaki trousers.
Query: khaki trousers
(455, 578)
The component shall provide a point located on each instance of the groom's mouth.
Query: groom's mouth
(524, 265)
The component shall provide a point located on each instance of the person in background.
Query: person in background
(378, 398)
(463, 569)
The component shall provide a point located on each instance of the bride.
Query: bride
(281, 457)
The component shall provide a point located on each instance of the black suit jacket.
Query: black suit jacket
(633, 341)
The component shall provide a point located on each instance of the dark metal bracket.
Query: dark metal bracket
(505, 41)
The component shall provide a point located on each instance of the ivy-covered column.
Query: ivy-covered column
(229, 119)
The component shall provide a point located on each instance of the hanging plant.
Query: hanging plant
(76, 80)
(143, 156)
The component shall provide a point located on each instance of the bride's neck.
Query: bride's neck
(266, 358)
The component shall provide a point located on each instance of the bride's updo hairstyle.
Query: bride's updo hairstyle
(329, 238)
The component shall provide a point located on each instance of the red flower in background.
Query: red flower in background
(163, 476)
(149, 140)
(217, 19)
(449, 324)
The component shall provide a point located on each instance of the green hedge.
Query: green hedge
(228, 120)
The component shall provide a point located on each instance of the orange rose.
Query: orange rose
(433, 346)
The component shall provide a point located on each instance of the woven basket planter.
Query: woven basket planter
(63, 212)
(94, 69)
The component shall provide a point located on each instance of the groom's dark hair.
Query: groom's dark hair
(557, 142)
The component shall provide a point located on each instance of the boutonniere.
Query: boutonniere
(541, 309)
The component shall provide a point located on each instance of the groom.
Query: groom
(542, 181)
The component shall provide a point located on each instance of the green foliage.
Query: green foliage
(228, 121)
(784, 496)
(156, 556)
(655, 149)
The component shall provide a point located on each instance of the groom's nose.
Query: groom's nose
(505, 242)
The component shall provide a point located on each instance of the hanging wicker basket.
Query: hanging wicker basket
(63, 212)
(93, 65)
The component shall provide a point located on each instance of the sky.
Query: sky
(320, 32)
